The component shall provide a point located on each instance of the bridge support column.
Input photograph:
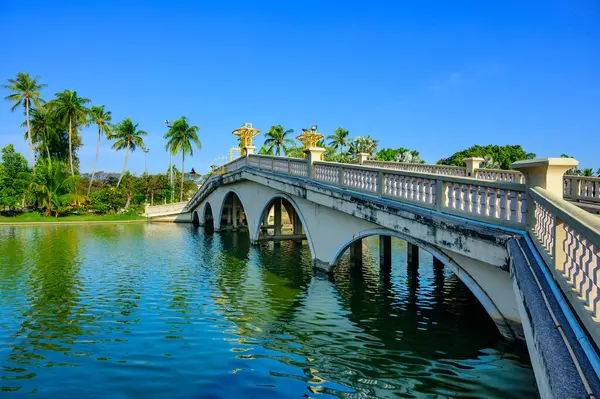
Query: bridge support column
(385, 253)
(412, 255)
(356, 253)
(234, 211)
(277, 230)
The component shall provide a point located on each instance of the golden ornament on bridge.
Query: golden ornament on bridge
(245, 133)
(310, 137)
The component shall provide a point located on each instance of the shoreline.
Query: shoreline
(73, 222)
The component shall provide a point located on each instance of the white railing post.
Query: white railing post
(313, 154)
(362, 157)
(380, 183)
(341, 176)
(440, 195)
(546, 173)
(472, 165)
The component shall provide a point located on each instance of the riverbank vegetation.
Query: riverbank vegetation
(51, 183)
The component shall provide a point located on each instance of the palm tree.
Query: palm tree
(364, 144)
(54, 184)
(70, 108)
(26, 90)
(276, 139)
(102, 119)
(264, 150)
(339, 138)
(129, 138)
(180, 138)
(43, 128)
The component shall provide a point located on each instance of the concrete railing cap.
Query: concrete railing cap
(572, 162)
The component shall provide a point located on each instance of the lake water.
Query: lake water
(165, 310)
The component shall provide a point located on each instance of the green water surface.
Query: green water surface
(170, 311)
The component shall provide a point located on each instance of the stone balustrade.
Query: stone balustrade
(419, 167)
(166, 209)
(495, 202)
(582, 188)
(568, 238)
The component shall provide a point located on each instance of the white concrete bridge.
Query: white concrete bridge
(529, 256)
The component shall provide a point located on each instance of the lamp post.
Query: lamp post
(169, 124)
(146, 160)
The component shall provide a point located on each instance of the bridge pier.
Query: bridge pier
(412, 255)
(356, 253)
(385, 253)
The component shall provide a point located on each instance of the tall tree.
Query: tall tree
(43, 129)
(25, 91)
(339, 139)
(71, 108)
(128, 137)
(102, 119)
(276, 139)
(180, 137)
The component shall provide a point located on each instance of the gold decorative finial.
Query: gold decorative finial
(245, 133)
(310, 137)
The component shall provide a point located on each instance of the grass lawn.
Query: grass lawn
(35, 217)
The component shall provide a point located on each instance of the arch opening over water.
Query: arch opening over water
(233, 213)
(282, 220)
(356, 247)
(207, 217)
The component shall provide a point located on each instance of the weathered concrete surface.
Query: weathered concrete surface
(555, 370)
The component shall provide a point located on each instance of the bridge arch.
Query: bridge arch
(231, 195)
(484, 298)
(195, 219)
(267, 206)
(208, 217)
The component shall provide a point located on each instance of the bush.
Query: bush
(107, 200)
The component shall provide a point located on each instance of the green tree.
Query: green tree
(43, 129)
(128, 137)
(108, 199)
(25, 91)
(399, 155)
(180, 137)
(503, 155)
(363, 144)
(264, 150)
(277, 140)
(339, 139)
(102, 119)
(53, 185)
(12, 182)
(71, 109)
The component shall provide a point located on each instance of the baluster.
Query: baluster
(427, 184)
(450, 189)
(468, 198)
(485, 201)
(512, 200)
(475, 200)
(494, 202)
(457, 194)
(503, 204)
(403, 187)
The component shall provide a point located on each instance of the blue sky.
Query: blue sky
(436, 76)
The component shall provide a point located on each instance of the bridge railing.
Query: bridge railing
(419, 167)
(156, 210)
(569, 240)
(511, 176)
(494, 202)
(291, 166)
(582, 188)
